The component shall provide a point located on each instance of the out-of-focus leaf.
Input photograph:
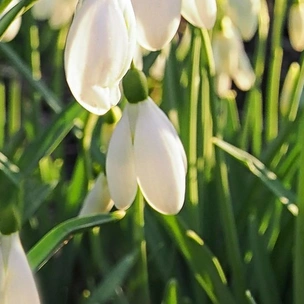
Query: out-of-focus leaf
(116, 277)
(268, 177)
(49, 139)
(60, 235)
(204, 265)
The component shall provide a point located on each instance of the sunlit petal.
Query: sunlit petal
(99, 49)
(159, 160)
(157, 22)
(120, 165)
(200, 13)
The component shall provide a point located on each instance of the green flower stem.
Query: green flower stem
(140, 284)
(192, 152)
(299, 229)
(273, 81)
(229, 226)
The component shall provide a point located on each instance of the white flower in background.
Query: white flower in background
(17, 284)
(98, 199)
(244, 14)
(145, 150)
(157, 70)
(14, 27)
(58, 12)
(231, 60)
(296, 26)
(157, 22)
(200, 13)
(99, 50)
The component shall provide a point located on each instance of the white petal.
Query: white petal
(244, 76)
(159, 159)
(19, 284)
(62, 13)
(98, 200)
(157, 22)
(200, 13)
(99, 50)
(43, 9)
(120, 165)
(244, 15)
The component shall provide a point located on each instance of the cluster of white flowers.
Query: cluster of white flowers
(144, 149)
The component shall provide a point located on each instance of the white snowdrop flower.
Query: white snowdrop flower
(145, 150)
(157, 22)
(231, 60)
(99, 50)
(14, 27)
(98, 199)
(296, 26)
(17, 284)
(58, 12)
(200, 13)
(244, 14)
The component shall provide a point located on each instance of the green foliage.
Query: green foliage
(239, 237)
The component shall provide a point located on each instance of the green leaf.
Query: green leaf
(171, 293)
(61, 234)
(116, 277)
(268, 177)
(48, 140)
(204, 265)
(264, 275)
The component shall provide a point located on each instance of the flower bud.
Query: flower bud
(135, 86)
(296, 26)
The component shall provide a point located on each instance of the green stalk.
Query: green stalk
(229, 227)
(140, 290)
(194, 93)
(298, 266)
(273, 81)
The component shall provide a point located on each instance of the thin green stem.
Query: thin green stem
(299, 230)
(140, 283)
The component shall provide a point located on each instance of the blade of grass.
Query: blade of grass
(204, 265)
(61, 234)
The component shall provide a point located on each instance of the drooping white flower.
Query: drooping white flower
(14, 27)
(296, 26)
(200, 13)
(99, 50)
(157, 22)
(17, 284)
(145, 150)
(231, 60)
(244, 14)
(58, 12)
(98, 199)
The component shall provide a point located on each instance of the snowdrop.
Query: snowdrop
(157, 22)
(200, 13)
(145, 150)
(17, 284)
(244, 14)
(58, 12)
(231, 60)
(98, 199)
(99, 50)
(296, 26)
(14, 27)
